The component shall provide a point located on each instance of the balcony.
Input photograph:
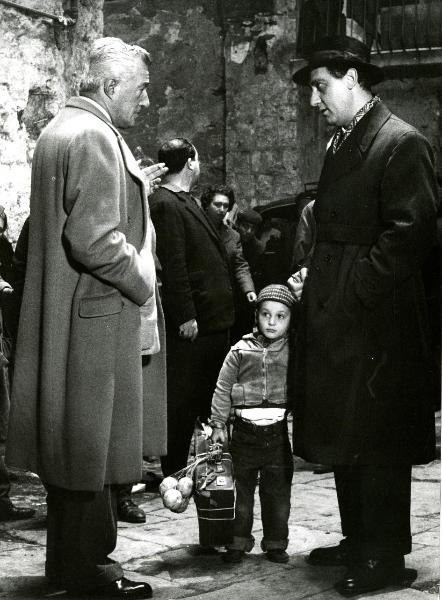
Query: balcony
(405, 36)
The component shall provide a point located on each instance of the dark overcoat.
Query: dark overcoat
(239, 268)
(80, 392)
(195, 271)
(363, 357)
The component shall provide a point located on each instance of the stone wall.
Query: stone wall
(40, 65)
(186, 91)
(221, 76)
(262, 156)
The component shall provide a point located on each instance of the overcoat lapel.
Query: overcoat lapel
(353, 149)
(128, 158)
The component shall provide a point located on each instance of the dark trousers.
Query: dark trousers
(262, 452)
(374, 503)
(124, 492)
(192, 373)
(81, 532)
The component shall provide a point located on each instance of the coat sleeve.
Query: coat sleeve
(408, 208)
(228, 376)
(305, 238)
(168, 220)
(93, 175)
(242, 269)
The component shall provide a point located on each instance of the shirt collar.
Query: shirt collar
(98, 107)
(342, 133)
(361, 112)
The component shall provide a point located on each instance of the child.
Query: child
(253, 384)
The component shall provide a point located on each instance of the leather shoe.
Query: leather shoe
(128, 511)
(123, 588)
(332, 556)
(9, 512)
(375, 574)
(277, 555)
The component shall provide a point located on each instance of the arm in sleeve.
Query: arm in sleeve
(93, 175)
(408, 207)
(242, 269)
(171, 250)
(305, 238)
(228, 376)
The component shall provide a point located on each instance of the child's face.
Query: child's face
(273, 319)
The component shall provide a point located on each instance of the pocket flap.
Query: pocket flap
(100, 306)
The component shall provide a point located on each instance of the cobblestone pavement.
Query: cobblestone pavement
(164, 550)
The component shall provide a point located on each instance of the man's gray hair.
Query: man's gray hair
(112, 58)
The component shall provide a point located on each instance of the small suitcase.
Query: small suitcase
(214, 495)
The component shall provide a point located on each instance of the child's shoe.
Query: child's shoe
(233, 556)
(277, 555)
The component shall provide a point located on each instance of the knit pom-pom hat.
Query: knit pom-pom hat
(278, 293)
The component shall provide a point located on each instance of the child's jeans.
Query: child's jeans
(262, 451)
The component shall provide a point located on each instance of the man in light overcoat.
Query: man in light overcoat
(88, 394)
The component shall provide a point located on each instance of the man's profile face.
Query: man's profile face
(246, 230)
(331, 96)
(130, 95)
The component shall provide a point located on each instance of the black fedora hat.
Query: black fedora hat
(339, 51)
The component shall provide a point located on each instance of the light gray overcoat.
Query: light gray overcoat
(84, 409)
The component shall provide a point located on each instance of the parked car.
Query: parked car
(277, 232)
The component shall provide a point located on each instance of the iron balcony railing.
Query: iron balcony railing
(388, 27)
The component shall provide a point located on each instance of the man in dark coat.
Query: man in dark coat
(217, 201)
(8, 511)
(247, 223)
(364, 399)
(196, 295)
(87, 365)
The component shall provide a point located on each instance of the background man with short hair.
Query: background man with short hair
(196, 295)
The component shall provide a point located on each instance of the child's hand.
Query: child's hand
(219, 436)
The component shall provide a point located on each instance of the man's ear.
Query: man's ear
(109, 87)
(351, 78)
(190, 162)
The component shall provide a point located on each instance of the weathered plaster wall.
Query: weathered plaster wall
(262, 157)
(40, 65)
(186, 91)
(221, 76)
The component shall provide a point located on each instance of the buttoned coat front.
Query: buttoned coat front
(84, 408)
(363, 363)
(195, 269)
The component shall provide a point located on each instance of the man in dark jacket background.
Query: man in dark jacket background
(365, 403)
(196, 295)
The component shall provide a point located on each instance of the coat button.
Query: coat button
(328, 258)
(334, 214)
